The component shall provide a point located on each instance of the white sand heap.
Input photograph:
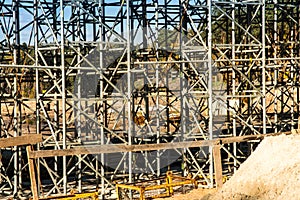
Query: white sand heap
(271, 172)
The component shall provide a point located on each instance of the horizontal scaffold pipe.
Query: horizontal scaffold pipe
(116, 148)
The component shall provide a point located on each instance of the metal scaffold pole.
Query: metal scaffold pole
(263, 34)
(128, 94)
(210, 90)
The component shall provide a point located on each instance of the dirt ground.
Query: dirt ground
(196, 194)
(271, 172)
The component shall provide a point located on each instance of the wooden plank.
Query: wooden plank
(218, 165)
(115, 148)
(246, 138)
(20, 140)
(33, 182)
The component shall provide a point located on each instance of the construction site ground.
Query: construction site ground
(271, 172)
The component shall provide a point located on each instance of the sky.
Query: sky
(26, 19)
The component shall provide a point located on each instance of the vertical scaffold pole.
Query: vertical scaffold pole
(234, 125)
(17, 108)
(102, 103)
(264, 65)
(79, 104)
(37, 83)
(210, 92)
(276, 69)
(129, 88)
(63, 95)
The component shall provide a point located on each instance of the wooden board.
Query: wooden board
(31, 163)
(115, 148)
(218, 165)
(20, 140)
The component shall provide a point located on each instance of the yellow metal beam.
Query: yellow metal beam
(171, 181)
(93, 195)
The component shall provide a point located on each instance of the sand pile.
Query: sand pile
(271, 172)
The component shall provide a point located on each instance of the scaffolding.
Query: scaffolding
(137, 72)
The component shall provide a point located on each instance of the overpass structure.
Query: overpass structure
(136, 72)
